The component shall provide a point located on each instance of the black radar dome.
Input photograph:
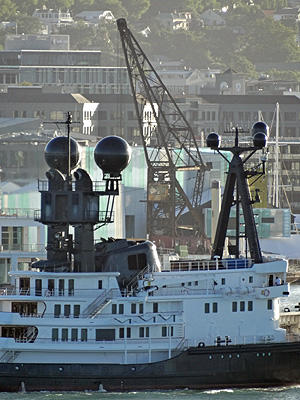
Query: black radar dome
(259, 140)
(112, 154)
(56, 154)
(260, 126)
(213, 140)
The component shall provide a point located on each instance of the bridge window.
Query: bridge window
(105, 334)
(137, 261)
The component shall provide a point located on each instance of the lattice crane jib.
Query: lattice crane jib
(169, 143)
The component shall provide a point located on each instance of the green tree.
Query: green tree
(81, 35)
(63, 5)
(26, 7)
(135, 8)
(7, 9)
(270, 41)
(115, 6)
(25, 24)
(82, 5)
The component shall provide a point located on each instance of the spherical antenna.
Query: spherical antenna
(259, 140)
(56, 154)
(112, 154)
(260, 126)
(213, 140)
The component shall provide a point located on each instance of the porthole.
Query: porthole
(269, 354)
(210, 357)
(230, 356)
(222, 356)
(17, 368)
(237, 356)
(60, 368)
(263, 354)
(133, 369)
(257, 355)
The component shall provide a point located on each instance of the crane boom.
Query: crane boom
(169, 144)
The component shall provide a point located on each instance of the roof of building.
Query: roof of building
(250, 99)
(36, 95)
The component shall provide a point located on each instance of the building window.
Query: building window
(137, 261)
(76, 310)
(51, 286)
(67, 310)
(215, 307)
(54, 334)
(121, 333)
(121, 308)
(61, 287)
(114, 309)
(57, 310)
(234, 306)
(74, 335)
(102, 115)
(64, 334)
(141, 308)
(155, 307)
(242, 306)
(71, 287)
(164, 331)
(84, 335)
(270, 304)
(250, 305)
(133, 308)
(206, 308)
(105, 335)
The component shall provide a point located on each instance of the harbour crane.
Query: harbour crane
(169, 144)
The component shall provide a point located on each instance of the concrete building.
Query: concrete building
(37, 42)
(174, 21)
(50, 108)
(52, 19)
(74, 71)
(96, 17)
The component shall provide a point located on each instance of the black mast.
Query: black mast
(237, 179)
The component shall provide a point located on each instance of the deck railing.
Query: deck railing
(209, 265)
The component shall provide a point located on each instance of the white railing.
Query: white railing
(211, 265)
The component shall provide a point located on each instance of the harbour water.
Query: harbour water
(284, 393)
(281, 393)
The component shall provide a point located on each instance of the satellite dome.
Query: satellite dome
(56, 154)
(260, 126)
(259, 140)
(213, 140)
(112, 154)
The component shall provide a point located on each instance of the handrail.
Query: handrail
(209, 265)
(98, 302)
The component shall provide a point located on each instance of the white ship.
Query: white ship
(107, 315)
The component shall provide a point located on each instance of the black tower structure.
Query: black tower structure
(69, 198)
(237, 181)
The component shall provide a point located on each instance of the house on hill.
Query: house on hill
(212, 17)
(173, 21)
(94, 17)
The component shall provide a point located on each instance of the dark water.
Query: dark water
(290, 393)
(281, 393)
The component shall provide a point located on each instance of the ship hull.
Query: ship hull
(197, 368)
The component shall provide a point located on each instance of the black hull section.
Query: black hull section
(197, 368)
